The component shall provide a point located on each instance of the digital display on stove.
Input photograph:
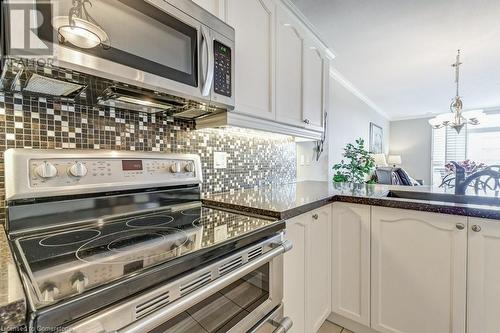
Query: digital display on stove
(131, 165)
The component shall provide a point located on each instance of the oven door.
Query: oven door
(152, 44)
(244, 295)
(274, 323)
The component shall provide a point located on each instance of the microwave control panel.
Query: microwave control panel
(222, 71)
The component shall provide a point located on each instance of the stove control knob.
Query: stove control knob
(79, 282)
(46, 170)
(49, 292)
(175, 167)
(78, 170)
(189, 167)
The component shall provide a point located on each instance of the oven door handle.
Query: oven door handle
(208, 52)
(284, 325)
(159, 317)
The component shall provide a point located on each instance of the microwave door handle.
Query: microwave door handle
(207, 48)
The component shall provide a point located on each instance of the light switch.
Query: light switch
(220, 160)
(220, 233)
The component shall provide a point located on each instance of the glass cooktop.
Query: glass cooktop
(65, 263)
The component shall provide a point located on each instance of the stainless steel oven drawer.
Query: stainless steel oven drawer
(275, 322)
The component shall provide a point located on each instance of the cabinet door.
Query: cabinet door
(254, 24)
(289, 55)
(215, 7)
(418, 272)
(318, 268)
(351, 261)
(315, 91)
(294, 284)
(484, 276)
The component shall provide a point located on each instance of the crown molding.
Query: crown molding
(305, 21)
(337, 76)
(414, 117)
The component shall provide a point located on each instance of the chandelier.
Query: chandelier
(457, 119)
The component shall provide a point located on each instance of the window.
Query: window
(480, 143)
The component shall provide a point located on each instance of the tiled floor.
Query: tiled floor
(332, 328)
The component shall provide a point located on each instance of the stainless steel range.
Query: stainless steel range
(120, 242)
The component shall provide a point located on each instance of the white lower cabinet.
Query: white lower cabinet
(483, 300)
(386, 270)
(307, 270)
(294, 284)
(351, 261)
(418, 277)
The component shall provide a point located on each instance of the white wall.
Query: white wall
(412, 139)
(307, 166)
(349, 119)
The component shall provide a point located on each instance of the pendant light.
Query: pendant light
(79, 28)
(457, 119)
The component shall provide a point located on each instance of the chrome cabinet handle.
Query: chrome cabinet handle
(460, 226)
(307, 121)
(284, 325)
(476, 228)
(315, 216)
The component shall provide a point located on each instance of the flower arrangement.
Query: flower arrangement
(469, 166)
(359, 164)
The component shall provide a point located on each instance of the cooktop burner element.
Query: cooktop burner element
(127, 246)
(150, 221)
(70, 238)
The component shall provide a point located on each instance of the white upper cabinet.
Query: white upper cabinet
(484, 276)
(315, 85)
(418, 272)
(351, 261)
(254, 24)
(215, 7)
(289, 55)
(281, 71)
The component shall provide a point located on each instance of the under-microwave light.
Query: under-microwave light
(147, 103)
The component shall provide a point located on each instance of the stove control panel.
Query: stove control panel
(67, 172)
(34, 173)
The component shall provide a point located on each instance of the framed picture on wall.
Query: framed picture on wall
(376, 139)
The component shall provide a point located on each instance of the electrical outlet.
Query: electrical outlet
(220, 160)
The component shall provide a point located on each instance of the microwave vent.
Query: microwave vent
(193, 112)
(44, 85)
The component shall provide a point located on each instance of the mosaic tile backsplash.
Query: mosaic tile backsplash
(36, 122)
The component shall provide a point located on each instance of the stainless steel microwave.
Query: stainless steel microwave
(169, 46)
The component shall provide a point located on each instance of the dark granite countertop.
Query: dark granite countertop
(12, 300)
(289, 200)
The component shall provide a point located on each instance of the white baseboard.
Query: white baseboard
(350, 324)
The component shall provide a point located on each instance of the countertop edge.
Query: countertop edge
(13, 305)
(417, 205)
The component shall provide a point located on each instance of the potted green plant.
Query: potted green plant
(356, 165)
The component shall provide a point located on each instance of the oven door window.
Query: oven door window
(141, 36)
(223, 310)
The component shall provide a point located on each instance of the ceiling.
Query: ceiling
(398, 52)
